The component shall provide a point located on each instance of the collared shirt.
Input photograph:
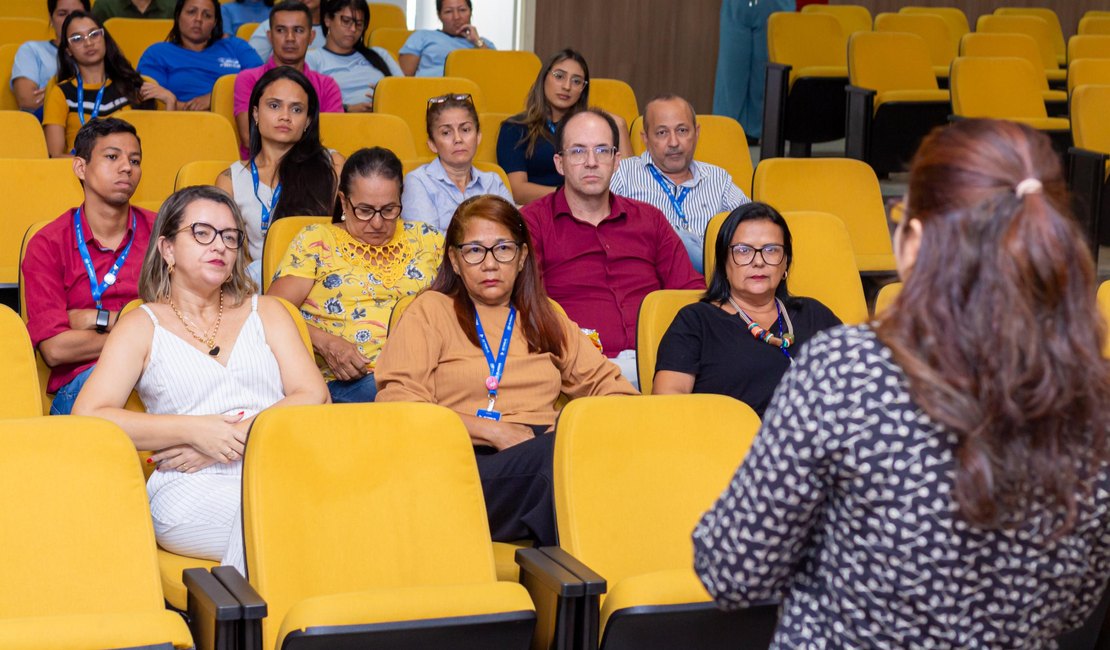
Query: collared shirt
(712, 191)
(189, 74)
(433, 46)
(55, 279)
(600, 274)
(430, 196)
(105, 9)
(331, 100)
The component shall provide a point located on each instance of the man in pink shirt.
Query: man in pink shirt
(290, 35)
(600, 253)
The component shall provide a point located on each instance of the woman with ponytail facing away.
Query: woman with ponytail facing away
(938, 478)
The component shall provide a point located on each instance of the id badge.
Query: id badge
(489, 414)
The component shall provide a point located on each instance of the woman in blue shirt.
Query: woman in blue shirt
(240, 12)
(346, 58)
(195, 55)
(424, 54)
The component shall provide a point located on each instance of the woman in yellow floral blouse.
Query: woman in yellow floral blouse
(348, 275)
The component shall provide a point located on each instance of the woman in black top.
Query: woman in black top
(742, 336)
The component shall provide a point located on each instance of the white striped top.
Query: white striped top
(711, 191)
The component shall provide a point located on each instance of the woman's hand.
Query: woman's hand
(181, 458)
(503, 435)
(217, 437)
(202, 103)
(151, 90)
(344, 359)
(364, 107)
(470, 32)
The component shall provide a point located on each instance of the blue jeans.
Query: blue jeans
(694, 246)
(67, 395)
(357, 390)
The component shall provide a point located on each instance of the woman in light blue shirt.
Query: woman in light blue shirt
(424, 54)
(434, 190)
(37, 61)
(240, 12)
(346, 58)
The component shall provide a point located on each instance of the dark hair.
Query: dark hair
(116, 66)
(537, 112)
(997, 328)
(367, 162)
(94, 130)
(291, 6)
(217, 31)
(332, 7)
(449, 101)
(51, 5)
(560, 131)
(536, 315)
(719, 289)
(306, 171)
(439, 6)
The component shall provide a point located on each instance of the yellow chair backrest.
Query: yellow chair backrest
(387, 531)
(407, 98)
(349, 132)
(931, 27)
(383, 14)
(885, 61)
(806, 40)
(33, 190)
(199, 172)
(491, 129)
(399, 308)
(24, 9)
(1094, 13)
(246, 30)
(495, 168)
(709, 246)
(1088, 72)
(7, 59)
(853, 18)
(505, 76)
(20, 30)
(1020, 46)
(1034, 26)
(392, 39)
(1104, 309)
(278, 238)
(824, 267)
(42, 370)
(841, 186)
(656, 313)
(1055, 30)
(886, 296)
(613, 95)
(955, 18)
(634, 515)
(223, 103)
(1089, 107)
(1091, 25)
(1092, 46)
(20, 397)
(722, 142)
(134, 35)
(998, 87)
(171, 139)
(22, 136)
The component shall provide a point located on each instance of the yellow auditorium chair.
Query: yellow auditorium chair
(349, 132)
(1094, 13)
(626, 500)
(42, 370)
(385, 15)
(278, 238)
(7, 59)
(505, 76)
(1089, 72)
(721, 142)
(20, 398)
(931, 27)
(33, 190)
(491, 129)
(171, 139)
(886, 296)
(199, 172)
(846, 188)
(1036, 28)
(22, 136)
(1055, 30)
(400, 561)
(223, 103)
(246, 30)
(24, 9)
(407, 98)
(1094, 46)
(804, 101)
(614, 96)
(82, 571)
(1005, 88)
(1094, 25)
(1023, 47)
(1090, 161)
(392, 39)
(657, 311)
(893, 100)
(1104, 309)
(134, 35)
(17, 31)
(955, 18)
(853, 18)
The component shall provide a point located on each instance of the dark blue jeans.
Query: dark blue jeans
(357, 390)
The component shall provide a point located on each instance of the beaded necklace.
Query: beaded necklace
(782, 341)
(386, 262)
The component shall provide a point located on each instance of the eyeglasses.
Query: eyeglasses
(772, 254)
(475, 253)
(205, 234)
(461, 97)
(368, 212)
(578, 155)
(349, 22)
(92, 37)
(575, 80)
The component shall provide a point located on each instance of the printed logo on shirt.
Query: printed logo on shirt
(230, 63)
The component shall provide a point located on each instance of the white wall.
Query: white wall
(498, 20)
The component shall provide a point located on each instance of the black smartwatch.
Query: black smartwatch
(103, 317)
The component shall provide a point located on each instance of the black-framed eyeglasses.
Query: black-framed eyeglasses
(474, 253)
(367, 212)
(206, 233)
(349, 22)
(92, 37)
(772, 254)
(577, 155)
(458, 97)
(575, 80)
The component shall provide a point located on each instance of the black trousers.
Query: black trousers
(517, 486)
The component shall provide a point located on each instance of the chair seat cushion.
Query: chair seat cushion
(875, 262)
(171, 566)
(96, 631)
(916, 96)
(671, 587)
(818, 71)
(504, 560)
(1045, 123)
(1055, 95)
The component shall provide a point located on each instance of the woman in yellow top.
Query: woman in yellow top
(347, 276)
(94, 80)
(487, 342)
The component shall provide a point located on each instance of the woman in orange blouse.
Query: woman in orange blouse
(486, 342)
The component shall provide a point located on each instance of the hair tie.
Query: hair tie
(1028, 186)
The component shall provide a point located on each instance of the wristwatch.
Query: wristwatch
(103, 316)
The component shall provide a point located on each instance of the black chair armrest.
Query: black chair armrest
(557, 594)
(588, 607)
(249, 629)
(213, 612)
(772, 143)
(857, 126)
(1086, 180)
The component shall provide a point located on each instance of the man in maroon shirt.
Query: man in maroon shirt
(83, 267)
(600, 253)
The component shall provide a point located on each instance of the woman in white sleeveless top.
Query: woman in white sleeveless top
(206, 355)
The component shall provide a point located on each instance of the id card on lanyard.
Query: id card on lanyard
(675, 200)
(267, 210)
(97, 286)
(496, 365)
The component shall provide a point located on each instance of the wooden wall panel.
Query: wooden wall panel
(1069, 11)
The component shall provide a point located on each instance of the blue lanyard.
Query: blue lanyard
(96, 286)
(266, 210)
(676, 201)
(551, 127)
(81, 100)
(496, 366)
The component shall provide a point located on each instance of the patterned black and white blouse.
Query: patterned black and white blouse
(842, 509)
